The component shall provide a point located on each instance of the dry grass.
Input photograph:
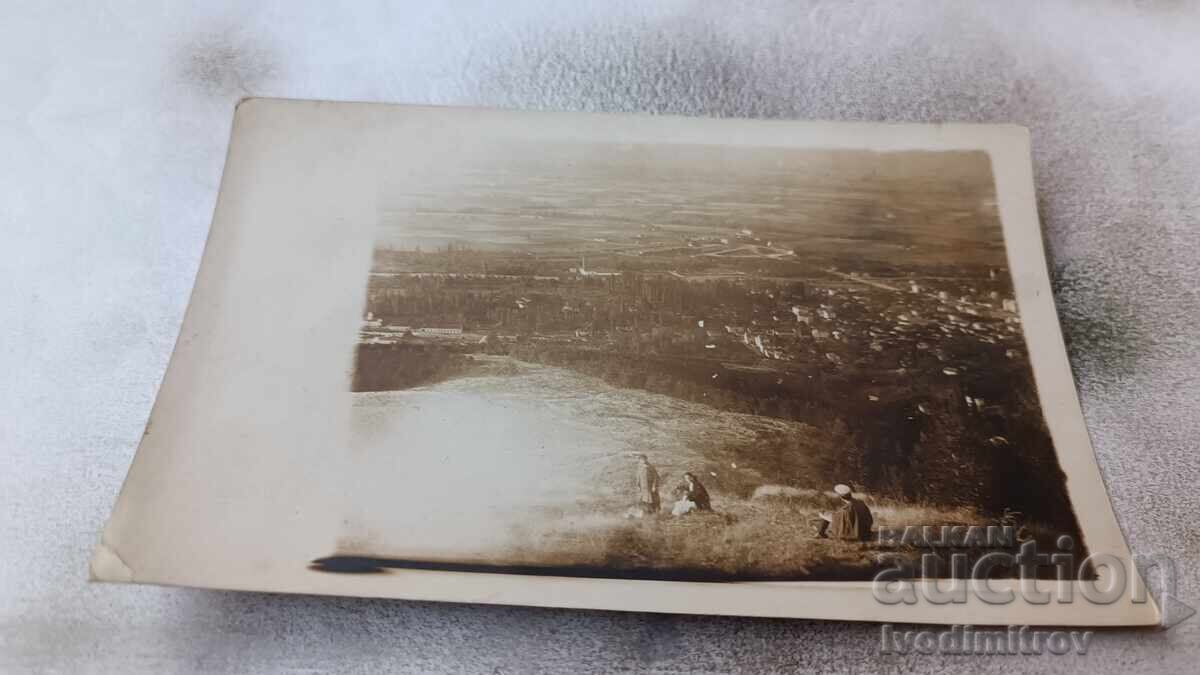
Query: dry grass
(769, 536)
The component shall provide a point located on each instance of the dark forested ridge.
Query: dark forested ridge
(390, 367)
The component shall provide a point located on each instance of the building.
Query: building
(583, 271)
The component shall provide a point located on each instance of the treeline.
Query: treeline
(391, 367)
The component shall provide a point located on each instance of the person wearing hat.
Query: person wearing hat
(850, 522)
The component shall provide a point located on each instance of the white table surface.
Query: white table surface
(114, 119)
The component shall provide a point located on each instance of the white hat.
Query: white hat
(841, 489)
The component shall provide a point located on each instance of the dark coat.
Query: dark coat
(853, 521)
(697, 495)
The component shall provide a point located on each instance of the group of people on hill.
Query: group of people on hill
(852, 520)
(691, 495)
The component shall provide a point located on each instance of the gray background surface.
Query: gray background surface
(114, 119)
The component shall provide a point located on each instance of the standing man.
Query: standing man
(647, 482)
(852, 521)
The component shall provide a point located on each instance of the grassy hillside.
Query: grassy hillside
(763, 537)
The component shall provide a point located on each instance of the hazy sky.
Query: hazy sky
(526, 193)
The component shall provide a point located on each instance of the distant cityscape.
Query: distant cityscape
(826, 319)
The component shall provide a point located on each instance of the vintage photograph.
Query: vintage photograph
(623, 362)
(690, 362)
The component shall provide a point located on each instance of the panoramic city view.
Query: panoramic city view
(693, 362)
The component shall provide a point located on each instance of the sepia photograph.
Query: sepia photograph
(693, 362)
(625, 362)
